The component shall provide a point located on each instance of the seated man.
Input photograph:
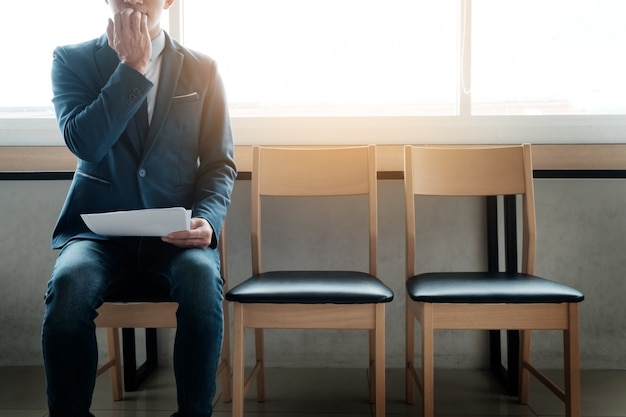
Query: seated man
(148, 122)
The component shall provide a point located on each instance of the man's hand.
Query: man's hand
(199, 235)
(129, 36)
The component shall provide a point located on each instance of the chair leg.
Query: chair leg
(428, 361)
(524, 384)
(409, 352)
(238, 361)
(372, 365)
(113, 343)
(572, 364)
(259, 342)
(379, 349)
(135, 375)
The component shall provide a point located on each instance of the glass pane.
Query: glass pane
(329, 56)
(557, 57)
(28, 34)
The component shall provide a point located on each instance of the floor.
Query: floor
(328, 393)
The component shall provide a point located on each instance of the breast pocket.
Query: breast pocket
(185, 98)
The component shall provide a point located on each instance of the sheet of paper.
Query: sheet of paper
(148, 222)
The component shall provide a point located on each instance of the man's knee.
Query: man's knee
(76, 286)
(196, 280)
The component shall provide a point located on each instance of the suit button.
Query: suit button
(142, 172)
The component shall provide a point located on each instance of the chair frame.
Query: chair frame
(269, 177)
(154, 315)
(523, 317)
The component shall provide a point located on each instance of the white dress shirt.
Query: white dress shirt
(154, 70)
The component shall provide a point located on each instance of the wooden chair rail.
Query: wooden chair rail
(599, 157)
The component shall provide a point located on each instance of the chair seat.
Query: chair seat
(488, 287)
(311, 287)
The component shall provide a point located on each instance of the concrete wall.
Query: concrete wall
(581, 242)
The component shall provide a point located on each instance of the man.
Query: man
(181, 155)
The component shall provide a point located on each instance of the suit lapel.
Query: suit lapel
(171, 65)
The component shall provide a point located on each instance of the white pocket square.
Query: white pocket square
(186, 96)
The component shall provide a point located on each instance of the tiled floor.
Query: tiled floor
(328, 393)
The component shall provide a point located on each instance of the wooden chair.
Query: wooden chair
(151, 310)
(310, 299)
(484, 300)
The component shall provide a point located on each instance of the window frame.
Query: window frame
(313, 130)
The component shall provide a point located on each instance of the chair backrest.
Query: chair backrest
(309, 172)
(470, 171)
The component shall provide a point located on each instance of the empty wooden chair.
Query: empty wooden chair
(311, 299)
(483, 300)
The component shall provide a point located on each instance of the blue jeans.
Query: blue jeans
(85, 272)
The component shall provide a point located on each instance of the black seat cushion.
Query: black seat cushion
(488, 287)
(311, 287)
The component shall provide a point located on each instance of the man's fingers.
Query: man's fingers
(117, 19)
(130, 38)
(144, 25)
(134, 20)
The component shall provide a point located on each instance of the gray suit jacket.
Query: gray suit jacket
(185, 160)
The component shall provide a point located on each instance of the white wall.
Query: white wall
(582, 238)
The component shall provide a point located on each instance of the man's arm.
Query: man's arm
(92, 116)
(216, 171)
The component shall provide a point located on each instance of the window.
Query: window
(537, 57)
(393, 71)
(329, 56)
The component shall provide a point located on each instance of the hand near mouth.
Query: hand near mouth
(129, 36)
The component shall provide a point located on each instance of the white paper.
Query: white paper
(148, 222)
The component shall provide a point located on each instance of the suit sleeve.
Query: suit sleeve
(216, 170)
(92, 112)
